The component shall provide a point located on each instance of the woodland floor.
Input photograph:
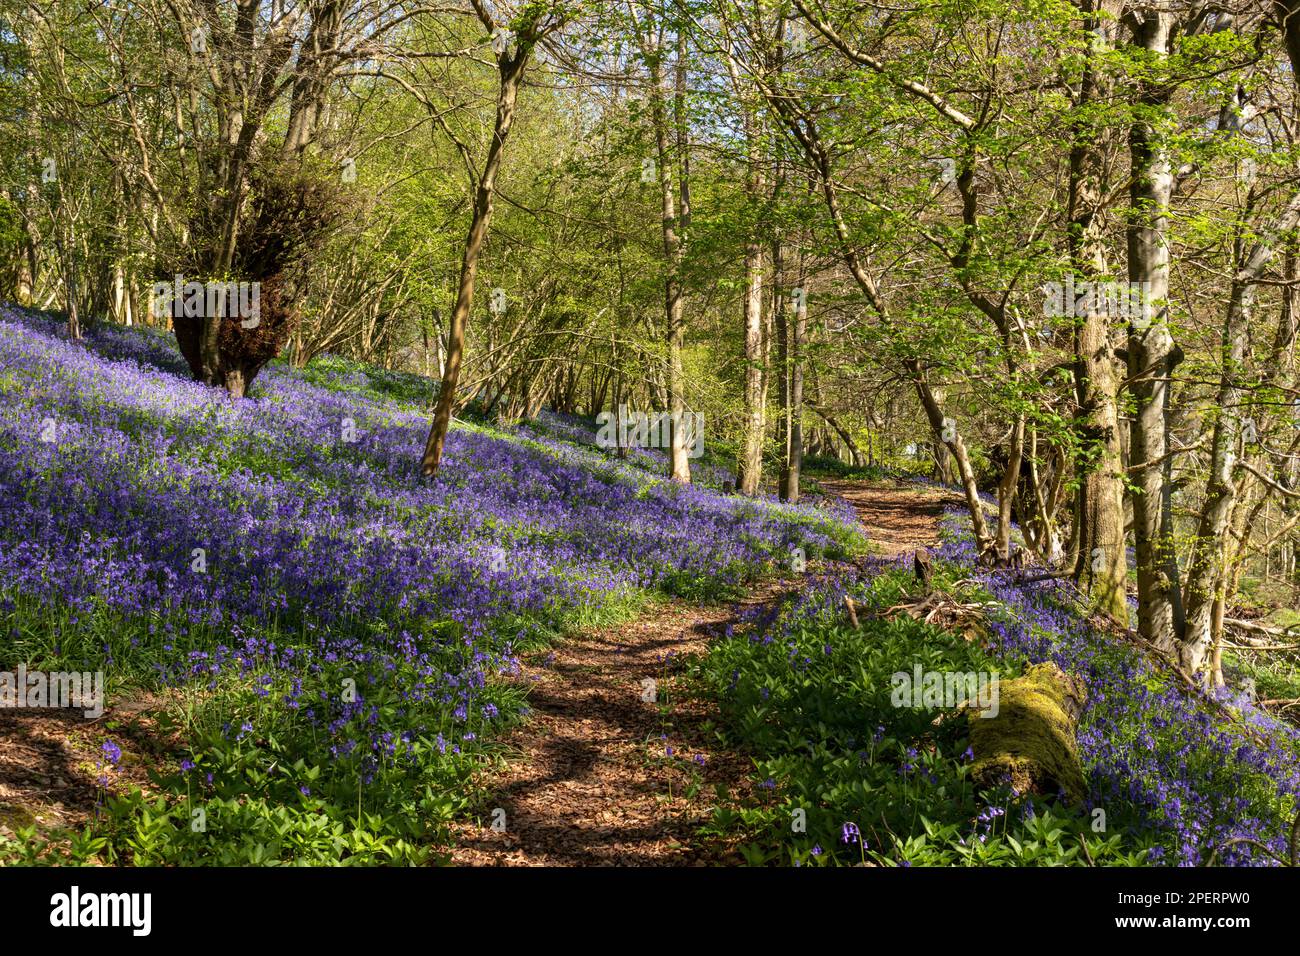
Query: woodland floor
(50, 761)
(587, 779)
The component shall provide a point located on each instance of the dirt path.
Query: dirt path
(598, 775)
(899, 518)
(589, 776)
(587, 779)
(51, 761)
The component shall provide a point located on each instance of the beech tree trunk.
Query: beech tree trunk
(795, 319)
(1152, 355)
(749, 470)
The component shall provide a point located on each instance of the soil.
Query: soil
(599, 775)
(588, 779)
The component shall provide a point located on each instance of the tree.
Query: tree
(512, 47)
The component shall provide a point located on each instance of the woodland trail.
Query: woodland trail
(600, 776)
(898, 518)
(588, 777)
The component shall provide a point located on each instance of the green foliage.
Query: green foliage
(810, 699)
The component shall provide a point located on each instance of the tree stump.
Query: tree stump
(924, 568)
(1032, 742)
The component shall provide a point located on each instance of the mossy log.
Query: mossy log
(1031, 744)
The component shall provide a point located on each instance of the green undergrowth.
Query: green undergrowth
(845, 777)
(237, 776)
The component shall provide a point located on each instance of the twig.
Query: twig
(853, 612)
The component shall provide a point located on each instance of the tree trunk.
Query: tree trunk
(1151, 352)
(943, 463)
(674, 226)
(796, 323)
(749, 471)
(1101, 559)
(947, 432)
(1007, 490)
(511, 71)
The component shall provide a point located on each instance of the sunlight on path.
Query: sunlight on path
(898, 518)
(589, 776)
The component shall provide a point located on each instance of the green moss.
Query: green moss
(15, 817)
(1031, 742)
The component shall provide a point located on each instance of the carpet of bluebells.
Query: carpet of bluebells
(1174, 778)
(1197, 774)
(329, 623)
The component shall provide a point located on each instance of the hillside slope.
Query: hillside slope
(323, 625)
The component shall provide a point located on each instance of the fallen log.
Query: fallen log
(1031, 743)
(1257, 628)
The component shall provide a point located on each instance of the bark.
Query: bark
(29, 266)
(781, 325)
(70, 288)
(1007, 490)
(1101, 567)
(1031, 742)
(943, 462)
(312, 77)
(749, 471)
(675, 218)
(949, 434)
(796, 325)
(511, 75)
(1151, 352)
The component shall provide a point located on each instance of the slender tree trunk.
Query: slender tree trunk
(512, 72)
(1101, 565)
(70, 286)
(66, 252)
(1152, 355)
(1007, 490)
(943, 462)
(28, 268)
(676, 220)
(673, 226)
(948, 432)
(796, 324)
(749, 473)
(781, 324)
